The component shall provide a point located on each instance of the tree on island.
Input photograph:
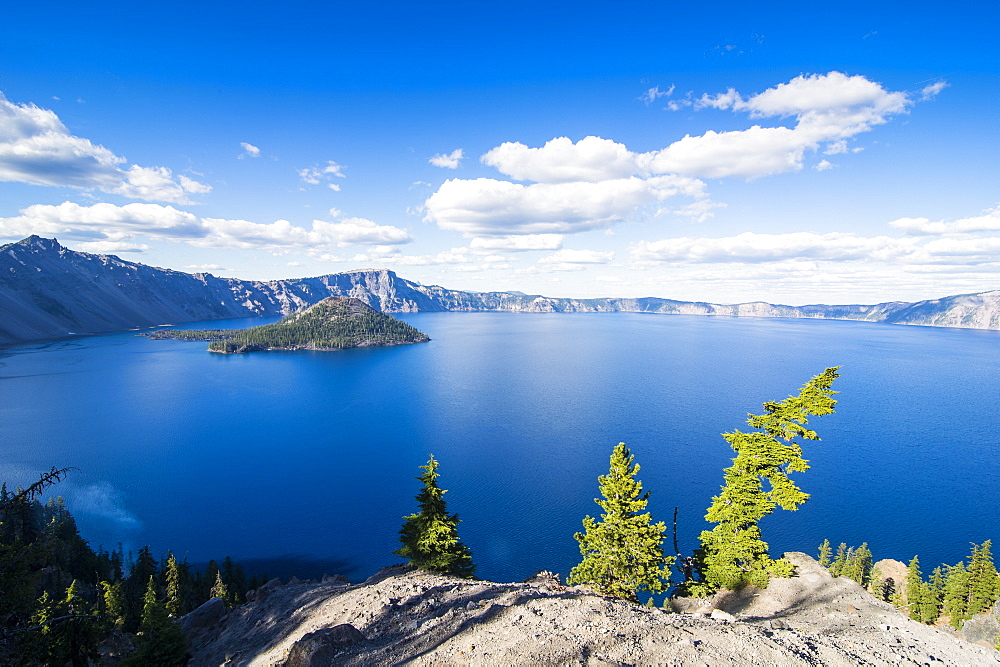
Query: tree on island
(622, 553)
(733, 554)
(430, 537)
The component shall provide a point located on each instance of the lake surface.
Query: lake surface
(313, 455)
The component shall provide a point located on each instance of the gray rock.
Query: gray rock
(984, 627)
(204, 616)
(319, 648)
(335, 579)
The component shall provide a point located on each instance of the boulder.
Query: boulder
(204, 616)
(984, 628)
(319, 648)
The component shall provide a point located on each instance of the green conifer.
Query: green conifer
(956, 595)
(220, 590)
(430, 537)
(840, 561)
(175, 584)
(161, 640)
(983, 579)
(113, 603)
(622, 553)
(824, 553)
(733, 554)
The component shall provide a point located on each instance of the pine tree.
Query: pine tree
(175, 583)
(956, 595)
(623, 553)
(983, 579)
(430, 537)
(220, 590)
(113, 603)
(858, 565)
(877, 586)
(733, 554)
(824, 553)
(840, 561)
(161, 640)
(918, 598)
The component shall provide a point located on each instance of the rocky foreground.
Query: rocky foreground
(403, 615)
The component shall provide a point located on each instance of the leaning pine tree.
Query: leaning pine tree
(622, 553)
(430, 537)
(733, 554)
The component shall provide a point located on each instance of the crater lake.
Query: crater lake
(309, 458)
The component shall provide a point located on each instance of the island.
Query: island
(335, 323)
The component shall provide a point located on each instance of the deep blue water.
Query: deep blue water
(314, 454)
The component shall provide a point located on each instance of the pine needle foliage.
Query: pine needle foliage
(430, 537)
(733, 554)
(622, 553)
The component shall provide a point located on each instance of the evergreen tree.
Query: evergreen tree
(113, 603)
(918, 597)
(859, 565)
(430, 537)
(956, 595)
(161, 640)
(220, 590)
(623, 553)
(840, 561)
(175, 586)
(68, 631)
(733, 554)
(824, 553)
(983, 579)
(878, 585)
(142, 569)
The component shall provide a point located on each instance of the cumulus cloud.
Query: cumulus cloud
(447, 160)
(987, 222)
(486, 206)
(36, 148)
(591, 159)
(249, 150)
(568, 187)
(568, 256)
(319, 174)
(110, 228)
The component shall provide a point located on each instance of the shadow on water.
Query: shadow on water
(291, 565)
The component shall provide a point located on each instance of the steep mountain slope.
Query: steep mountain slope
(48, 291)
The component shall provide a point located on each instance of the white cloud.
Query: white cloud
(487, 206)
(518, 243)
(568, 256)
(596, 182)
(932, 90)
(653, 94)
(591, 159)
(249, 150)
(205, 267)
(108, 228)
(319, 174)
(753, 247)
(449, 160)
(987, 222)
(36, 148)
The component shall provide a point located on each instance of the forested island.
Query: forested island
(335, 323)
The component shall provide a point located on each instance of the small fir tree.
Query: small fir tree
(175, 598)
(161, 640)
(622, 553)
(824, 553)
(956, 595)
(840, 561)
(983, 579)
(113, 603)
(733, 554)
(220, 590)
(430, 537)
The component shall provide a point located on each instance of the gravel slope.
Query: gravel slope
(420, 618)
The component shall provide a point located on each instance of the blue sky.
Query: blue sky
(837, 152)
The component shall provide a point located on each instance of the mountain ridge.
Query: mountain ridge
(48, 291)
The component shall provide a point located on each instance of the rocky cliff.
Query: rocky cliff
(49, 291)
(407, 616)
